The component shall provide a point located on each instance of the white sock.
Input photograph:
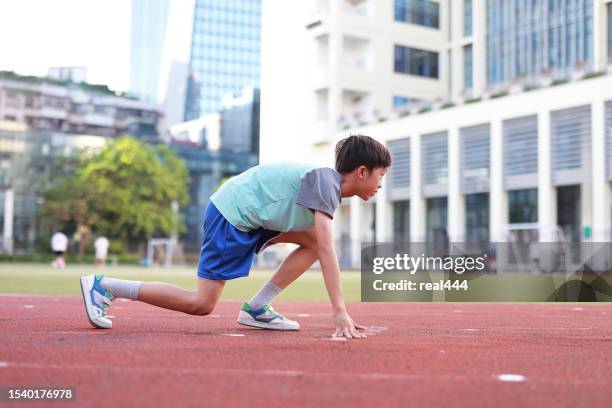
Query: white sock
(120, 288)
(265, 295)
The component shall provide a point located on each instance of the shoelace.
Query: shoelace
(108, 299)
(274, 312)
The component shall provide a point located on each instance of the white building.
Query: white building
(57, 106)
(73, 74)
(511, 133)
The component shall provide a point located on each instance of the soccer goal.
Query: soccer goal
(164, 252)
(524, 251)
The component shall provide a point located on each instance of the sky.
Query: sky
(38, 34)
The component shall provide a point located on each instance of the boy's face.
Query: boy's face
(369, 181)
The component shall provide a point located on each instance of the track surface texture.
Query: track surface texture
(420, 354)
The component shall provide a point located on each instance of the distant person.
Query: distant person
(59, 244)
(101, 244)
(268, 204)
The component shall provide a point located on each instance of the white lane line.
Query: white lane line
(303, 315)
(293, 373)
(3, 364)
(233, 334)
(511, 378)
(29, 306)
(470, 330)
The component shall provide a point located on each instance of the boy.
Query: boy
(59, 245)
(265, 205)
(101, 244)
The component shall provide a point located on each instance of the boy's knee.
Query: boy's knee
(310, 240)
(202, 308)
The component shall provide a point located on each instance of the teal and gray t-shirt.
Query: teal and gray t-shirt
(280, 196)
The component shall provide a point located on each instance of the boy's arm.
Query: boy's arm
(331, 276)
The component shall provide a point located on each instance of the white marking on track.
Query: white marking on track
(471, 330)
(577, 308)
(511, 378)
(233, 334)
(29, 306)
(94, 368)
(3, 364)
(303, 315)
(337, 338)
(376, 329)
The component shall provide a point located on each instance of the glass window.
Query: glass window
(421, 12)
(414, 61)
(540, 37)
(437, 216)
(401, 101)
(523, 206)
(401, 221)
(610, 32)
(477, 218)
(568, 212)
(468, 81)
(467, 17)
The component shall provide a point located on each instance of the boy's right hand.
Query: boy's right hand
(345, 327)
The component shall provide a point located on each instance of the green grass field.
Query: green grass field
(42, 279)
(45, 280)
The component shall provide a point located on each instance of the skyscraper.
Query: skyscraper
(225, 53)
(149, 21)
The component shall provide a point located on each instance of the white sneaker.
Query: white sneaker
(265, 318)
(96, 300)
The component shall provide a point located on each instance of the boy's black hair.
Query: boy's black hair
(361, 150)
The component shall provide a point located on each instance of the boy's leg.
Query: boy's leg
(299, 260)
(99, 292)
(257, 311)
(291, 268)
(168, 296)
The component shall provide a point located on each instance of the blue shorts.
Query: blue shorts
(227, 253)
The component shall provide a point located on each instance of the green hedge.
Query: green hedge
(133, 259)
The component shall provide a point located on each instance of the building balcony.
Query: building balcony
(93, 119)
(357, 108)
(358, 7)
(357, 53)
(319, 78)
(53, 113)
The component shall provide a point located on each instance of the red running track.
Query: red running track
(423, 354)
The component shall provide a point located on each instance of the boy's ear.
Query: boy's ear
(362, 171)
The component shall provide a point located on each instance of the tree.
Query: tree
(125, 192)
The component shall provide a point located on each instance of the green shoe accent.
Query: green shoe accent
(270, 309)
(245, 307)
